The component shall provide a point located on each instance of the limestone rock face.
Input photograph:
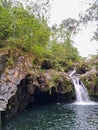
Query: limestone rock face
(9, 80)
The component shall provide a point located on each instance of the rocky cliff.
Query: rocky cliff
(21, 84)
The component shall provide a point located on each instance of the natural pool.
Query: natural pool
(56, 117)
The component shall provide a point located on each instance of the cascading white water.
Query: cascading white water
(81, 91)
(82, 96)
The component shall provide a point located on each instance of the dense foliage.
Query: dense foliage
(25, 29)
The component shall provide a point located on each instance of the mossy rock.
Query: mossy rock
(90, 80)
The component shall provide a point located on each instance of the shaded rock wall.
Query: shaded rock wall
(21, 85)
(39, 88)
(9, 80)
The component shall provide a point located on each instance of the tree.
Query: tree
(22, 29)
(63, 51)
(6, 3)
(40, 8)
(10, 3)
(67, 27)
(71, 51)
(91, 15)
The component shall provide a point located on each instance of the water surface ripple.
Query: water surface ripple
(56, 117)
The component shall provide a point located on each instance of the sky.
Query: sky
(63, 9)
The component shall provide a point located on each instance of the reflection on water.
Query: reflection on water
(86, 117)
(56, 117)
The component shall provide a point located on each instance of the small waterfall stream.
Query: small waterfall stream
(82, 96)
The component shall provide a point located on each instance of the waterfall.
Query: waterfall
(82, 96)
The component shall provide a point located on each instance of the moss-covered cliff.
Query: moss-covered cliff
(22, 84)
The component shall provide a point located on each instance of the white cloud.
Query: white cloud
(83, 41)
(63, 9)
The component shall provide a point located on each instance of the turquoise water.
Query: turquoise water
(56, 117)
